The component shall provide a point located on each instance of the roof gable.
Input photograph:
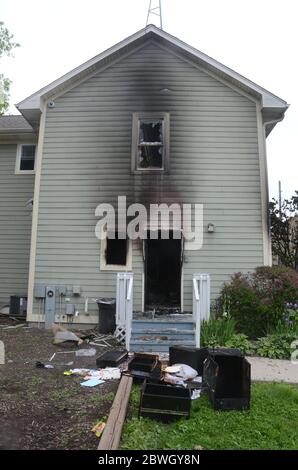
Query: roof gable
(30, 107)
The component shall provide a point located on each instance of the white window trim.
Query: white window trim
(115, 267)
(136, 117)
(18, 171)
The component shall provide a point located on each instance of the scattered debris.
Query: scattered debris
(92, 382)
(14, 327)
(85, 352)
(69, 363)
(111, 358)
(61, 335)
(41, 365)
(98, 428)
(195, 394)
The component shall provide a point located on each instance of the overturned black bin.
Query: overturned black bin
(107, 315)
(226, 377)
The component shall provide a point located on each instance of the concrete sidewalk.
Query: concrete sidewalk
(273, 370)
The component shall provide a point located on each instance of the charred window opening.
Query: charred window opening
(150, 147)
(150, 144)
(116, 251)
(163, 272)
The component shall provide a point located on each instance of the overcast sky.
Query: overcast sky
(257, 38)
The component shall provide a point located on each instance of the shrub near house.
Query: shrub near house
(259, 301)
(254, 315)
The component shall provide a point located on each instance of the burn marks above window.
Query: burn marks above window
(150, 142)
(115, 253)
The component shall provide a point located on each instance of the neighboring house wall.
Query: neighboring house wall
(214, 160)
(15, 225)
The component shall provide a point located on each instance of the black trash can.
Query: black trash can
(107, 315)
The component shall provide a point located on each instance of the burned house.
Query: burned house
(158, 122)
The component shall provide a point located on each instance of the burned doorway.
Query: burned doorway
(163, 267)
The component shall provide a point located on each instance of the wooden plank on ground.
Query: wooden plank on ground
(111, 436)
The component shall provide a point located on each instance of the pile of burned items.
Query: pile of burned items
(168, 386)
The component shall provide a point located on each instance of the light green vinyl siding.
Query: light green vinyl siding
(87, 160)
(15, 225)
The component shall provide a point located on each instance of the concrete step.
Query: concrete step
(161, 325)
(157, 346)
(164, 335)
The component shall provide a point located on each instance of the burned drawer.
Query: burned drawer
(164, 402)
(227, 380)
(141, 368)
(111, 358)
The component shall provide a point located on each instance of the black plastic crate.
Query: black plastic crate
(164, 402)
(111, 358)
(193, 357)
(227, 379)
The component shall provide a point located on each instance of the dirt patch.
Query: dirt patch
(42, 408)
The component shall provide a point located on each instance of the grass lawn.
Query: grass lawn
(271, 423)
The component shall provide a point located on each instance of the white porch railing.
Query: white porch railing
(124, 303)
(201, 302)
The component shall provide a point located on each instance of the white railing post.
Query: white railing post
(201, 302)
(196, 312)
(128, 313)
(124, 303)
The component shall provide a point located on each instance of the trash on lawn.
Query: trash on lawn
(195, 394)
(81, 372)
(173, 379)
(41, 365)
(85, 352)
(61, 335)
(98, 428)
(63, 363)
(92, 382)
(111, 358)
(109, 373)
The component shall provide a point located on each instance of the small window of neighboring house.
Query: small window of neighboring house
(150, 142)
(115, 254)
(25, 162)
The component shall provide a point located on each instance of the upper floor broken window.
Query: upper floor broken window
(150, 146)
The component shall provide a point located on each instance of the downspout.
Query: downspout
(265, 124)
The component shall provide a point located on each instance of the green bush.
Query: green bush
(241, 342)
(217, 331)
(259, 301)
(276, 346)
(221, 332)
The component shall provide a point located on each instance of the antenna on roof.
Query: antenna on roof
(154, 9)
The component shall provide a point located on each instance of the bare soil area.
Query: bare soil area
(42, 408)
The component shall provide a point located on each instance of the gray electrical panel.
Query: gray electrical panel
(39, 291)
(50, 306)
(70, 309)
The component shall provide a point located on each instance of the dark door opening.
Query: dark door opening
(163, 272)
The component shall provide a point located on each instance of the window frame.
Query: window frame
(136, 120)
(115, 267)
(18, 170)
